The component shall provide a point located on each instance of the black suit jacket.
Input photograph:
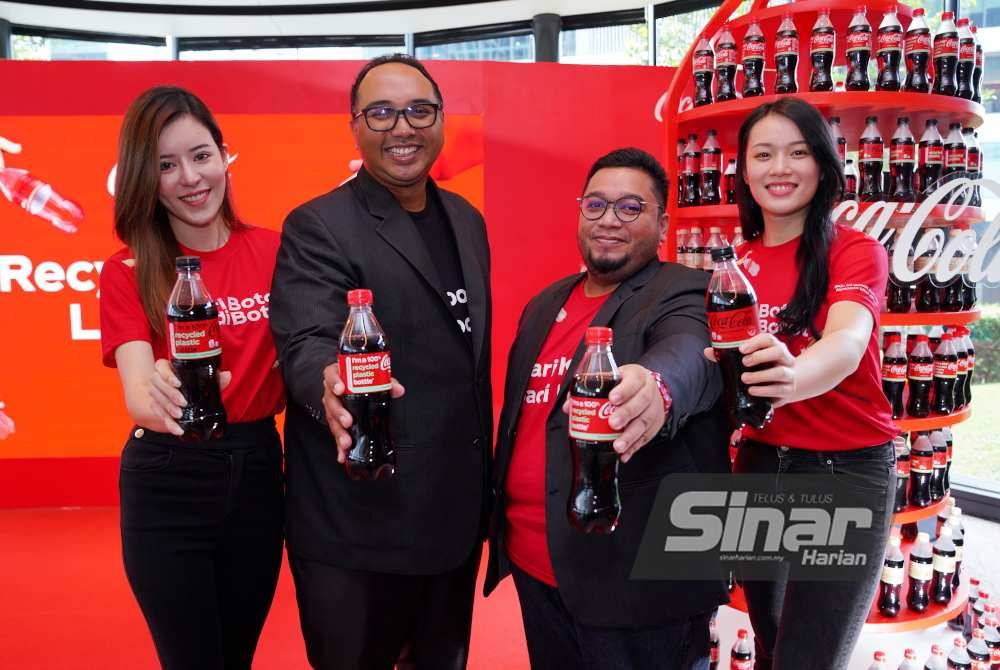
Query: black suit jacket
(428, 518)
(658, 317)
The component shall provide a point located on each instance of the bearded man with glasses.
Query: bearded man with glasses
(385, 570)
(580, 608)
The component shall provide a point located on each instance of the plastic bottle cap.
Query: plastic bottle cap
(910, 655)
(742, 634)
(188, 263)
(947, 16)
(361, 296)
(880, 656)
(919, 11)
(599, 335)
(715, 229)
(984, 595)
(936, 650)
(960, 642)
(973, 581)
(962, 22)
(921, 338)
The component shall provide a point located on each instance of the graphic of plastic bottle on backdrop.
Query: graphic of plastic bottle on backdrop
(6, 423)
(36, 196)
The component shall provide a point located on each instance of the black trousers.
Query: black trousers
(358, 620)
(202, 532)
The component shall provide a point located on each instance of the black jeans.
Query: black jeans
(558, 641)
(202, 531)
(815, 625)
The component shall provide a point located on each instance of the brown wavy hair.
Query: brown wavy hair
(140, 220)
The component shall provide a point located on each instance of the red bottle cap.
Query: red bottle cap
(880, 656)
(947, 16)
(973, 581)
(742, 634)
(361, 296)
(921, 338)
(960, 642)
(599, 335)
(962, 22)
(936, 650)
(984, 595)
(910, 655)
(919, 11)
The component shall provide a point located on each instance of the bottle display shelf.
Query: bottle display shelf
(912, 513)
(940, 215)
(895, 319)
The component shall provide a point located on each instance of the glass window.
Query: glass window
(31, 47)
(674, 34)
(518, 49)
(608, 45)
(304, 53)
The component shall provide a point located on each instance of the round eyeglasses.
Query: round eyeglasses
(383, 118)
(626, 209)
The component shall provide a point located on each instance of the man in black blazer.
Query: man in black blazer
(580, 608)
(385, 570)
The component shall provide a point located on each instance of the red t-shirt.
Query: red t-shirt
(526, 541)
(238, 277)
(856, 413)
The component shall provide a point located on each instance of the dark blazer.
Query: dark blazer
(658, 317)
(428, 518)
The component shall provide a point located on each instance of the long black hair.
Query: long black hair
(812, 257)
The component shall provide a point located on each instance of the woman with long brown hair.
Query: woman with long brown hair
(201, 521)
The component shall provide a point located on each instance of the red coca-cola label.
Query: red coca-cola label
(193, 340)
(939, 459)
(902, 468)
(951, 449)
(980, 665)
(945, 46)
(703, 62)
(903, 153)
(820, 42)
(713, 655)
(753, 50)
(972, 161)
(967, 51)
(588, 419)
(995, 655)
(725, 56)
(921, 372)
(842, 151)
(918, 44)
(737, 664)
(963, 366)
(955, 157)
(890, 41)
(733, 328)
(979, 58)
(710, 162)
(946, 369)
(933, 154)
(871, 151)
(366, 373)
(972, 361)
(894, 372)
(921, 464)
(859, 41)
(690, 164)
(786, 46)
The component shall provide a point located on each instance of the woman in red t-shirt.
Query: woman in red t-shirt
(818, 287)
(202, 522)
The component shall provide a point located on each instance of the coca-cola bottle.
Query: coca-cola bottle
(889, 51)
(979, 653)
(715, 241)
(931, 159)
(968, 286)
(754, 48)
(921, 574)
(936, 661)
(909, 660)
(961, 379)
(946, 55)
(726, 58)
(366, 370)
(681, 145)
(945, 375)
(955, 157)
(943, 515)
(898, 296)
(928, 292)
(741, 656)
(894, 366)
(977, 73)
(966, 60)
(196, 352)
(730, 180)
(963, 621)
(979, 608)
(711, 170)
(950, 441)
(879, 661)
(822, 45)
(838, 137)
(903, 161)
(704, 69)
(992, 637)
(971, 350)
(594, 504)
(859, 51)
(902, 472)
(939, 463)
(918, 51)
(850, 181)
(944, 567)
(958, 537)
(682, 235)
(921, 470)
(696, 249)
(692, 168)
(713, 645)
(731, 304)
(870, 153)
(958, 657)
(920, 375)
(908, 531)
(891, 584)
(786, 57)
(951, 298)
(973, 164)
(737, 236)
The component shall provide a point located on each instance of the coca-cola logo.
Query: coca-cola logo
(725, 56)
(385, 365)
(821, 42)
(738, 320)
(606, 410)
(703, 63)
(945, 46)
(752, 50)
(861, 40)
(967, 51)
(890, 41)
(785, 46)
(918, 43)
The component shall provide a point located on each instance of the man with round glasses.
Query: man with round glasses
(385, 570)
(580, 608)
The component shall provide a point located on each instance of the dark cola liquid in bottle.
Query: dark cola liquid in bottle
(752, 58)
(966, 343)
(944, 567)
(921, 470)
(898, 296)
(939, 465)
(894, 365)
(732, 320)
(889, 51)
(918, 595)
(977, 72)
(730, 181)
(928, 294)
(850, 181)
(838, 138)
(681, 144)
(903, 161)
(956, 155)
(786, 57)
(196, 352)
(822, 46)
(713, 645)
(961, 380)
(891, 584)
(917, 53)
(946, 56)
(711, 170)
(366, 372)
(920, 374)
(979, 652)
(704, 69)
(949, 440)
(594, 504)
(966, 60)
(726, 59)
(931, 159)
(692, 172)
(973, 164)
(958, 537)
(859, 51)
(870, 153)
(951, 298)
(902, 473)
(945, 375)
(741, 655)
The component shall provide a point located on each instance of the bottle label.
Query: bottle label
(945, 47)
(729, 330)
(944, 564)
(954, 157)
(588, 419)
(903, 153)
(739, 664)
(871, 151)
(690, 164)
(821, 42)
(920, 571)
(972, 361)
(890, 41)
(940, 458)
(753, 50)
(933, 154)
(891, 575)
(194, 340)
(946, 369)
(711, 162)
(894, 372)
(366, 373)
(980, 665)
(921, 464)
(842, 151)
(903, 468)
(963, 366)
(919, 43)
(713, 655)
(967, 51)
(703, 62)
(859, 40)
(726, 57)
(979, 58)
(786, 46)
(972, 162)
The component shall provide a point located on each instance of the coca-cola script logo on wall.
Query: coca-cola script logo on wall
(962, 254)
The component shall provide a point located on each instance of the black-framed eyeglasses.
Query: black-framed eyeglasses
(383, 118)
(627, 209)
